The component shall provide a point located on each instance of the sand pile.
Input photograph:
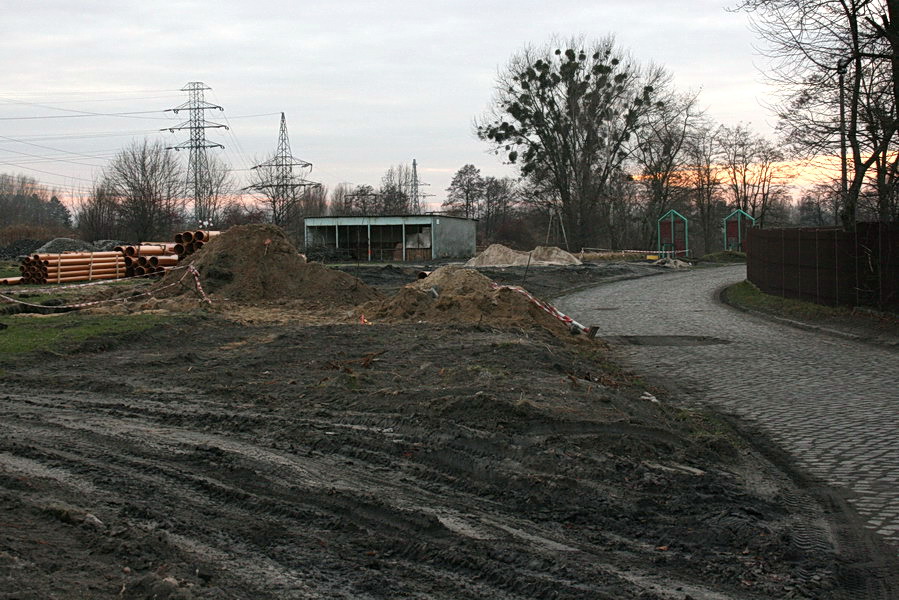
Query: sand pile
(551, 255)
(497, 255)
(454, 294)
(257, 262)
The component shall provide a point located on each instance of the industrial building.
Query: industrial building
(394, 238)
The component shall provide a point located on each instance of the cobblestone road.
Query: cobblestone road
(832, 404)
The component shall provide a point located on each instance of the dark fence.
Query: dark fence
(828, 265)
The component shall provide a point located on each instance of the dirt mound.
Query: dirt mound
(497, 255)
(552, 255)
(59, 245)
(454, 294)
(257, 262)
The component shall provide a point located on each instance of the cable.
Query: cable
(46, 172)
(83, 114)
(48, 148)
(83, 136)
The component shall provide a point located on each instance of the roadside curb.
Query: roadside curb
(722, 299)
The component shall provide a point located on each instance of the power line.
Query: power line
(46, 172)
(81, 136)
(85, 114)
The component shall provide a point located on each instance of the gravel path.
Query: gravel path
(831, 403)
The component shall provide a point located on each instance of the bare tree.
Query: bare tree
(149, 184)
(221, 187)
(341, 203)
(817, 45)
(500, 198)
(660, 156)
(465, 193)
(97, 215)
(567, 116)
(396, 190)
(753, 170)
(704, 174)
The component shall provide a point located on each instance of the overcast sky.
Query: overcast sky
(364, 84)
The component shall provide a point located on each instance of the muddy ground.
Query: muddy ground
(231, 457)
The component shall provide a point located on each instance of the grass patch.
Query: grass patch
(725, 256)
(67, 332)
(747, 296)
(9, 269)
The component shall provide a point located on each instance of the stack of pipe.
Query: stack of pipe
(72, 266)
(188, 242)
(149, 258)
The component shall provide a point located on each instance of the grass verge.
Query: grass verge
(747, 296)
(725, 256)
(67, 332)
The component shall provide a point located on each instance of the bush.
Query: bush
(13, 233)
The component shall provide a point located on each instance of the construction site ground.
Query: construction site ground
(286, 450)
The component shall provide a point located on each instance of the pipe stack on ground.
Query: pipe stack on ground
(188, 242)
(72, 266)
(144, 259)
(149, 258)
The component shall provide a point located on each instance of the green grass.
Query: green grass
(725, 256)
(9, 269)
(65, 333)
(747, 296)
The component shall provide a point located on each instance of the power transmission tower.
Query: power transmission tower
(198, 177)
(277, 181)
(417, 195)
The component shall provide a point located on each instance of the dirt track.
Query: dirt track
(406, 461)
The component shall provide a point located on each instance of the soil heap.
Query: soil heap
(497, 255)
(59, 245)
(251, 263)
(454, 294)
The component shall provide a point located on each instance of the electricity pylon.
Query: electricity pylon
(199, 181)
(417, 195)
(277, 180)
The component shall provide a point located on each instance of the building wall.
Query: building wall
(454, 238)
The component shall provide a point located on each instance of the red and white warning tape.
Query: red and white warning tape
(549, 308)
(609, 250)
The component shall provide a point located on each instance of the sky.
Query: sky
(363, 85)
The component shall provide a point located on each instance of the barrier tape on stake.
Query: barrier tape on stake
(549, 308)
(196, 274)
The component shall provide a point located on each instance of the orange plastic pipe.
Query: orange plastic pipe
(165, 260)
(71, 278)
(187, 237)
(65, 255)
(204, 236)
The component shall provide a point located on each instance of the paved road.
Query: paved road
(833, 404)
